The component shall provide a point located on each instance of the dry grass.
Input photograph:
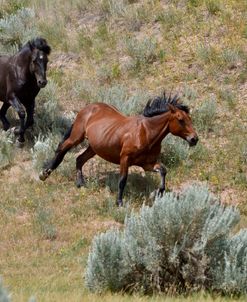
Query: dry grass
(201, 53)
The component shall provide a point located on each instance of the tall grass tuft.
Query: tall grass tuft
(181, 244)
(142, 52)
(7, 148)
(213, 6)
(204, 116)
(44, 223)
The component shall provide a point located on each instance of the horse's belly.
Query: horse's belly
(109, 154)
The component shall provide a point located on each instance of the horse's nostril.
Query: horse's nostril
(42, 83)
(193, 141)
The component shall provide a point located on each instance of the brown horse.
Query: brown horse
(127, 141)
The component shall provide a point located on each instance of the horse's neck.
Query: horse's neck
(22, 59)
(158, 127)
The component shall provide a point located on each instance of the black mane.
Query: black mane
(159, 105)
(40, 44)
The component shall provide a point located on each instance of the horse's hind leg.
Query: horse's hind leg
(72, 140)
(80, 161)
(3, 118)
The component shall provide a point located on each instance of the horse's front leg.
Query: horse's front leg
(158, 167)
(3, 118)
(124, 167)
(16, 104)
(30, 112)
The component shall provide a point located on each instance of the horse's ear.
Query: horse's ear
(172, 108)
(179, 115)
(30, 46)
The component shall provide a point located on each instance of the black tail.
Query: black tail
(67, 134)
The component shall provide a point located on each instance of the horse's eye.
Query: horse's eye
(182, 122)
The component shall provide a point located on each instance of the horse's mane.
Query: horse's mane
(39, 43)
(159, 105)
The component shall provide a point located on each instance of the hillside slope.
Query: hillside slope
(120, 52)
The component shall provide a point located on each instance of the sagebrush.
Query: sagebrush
(180, 244)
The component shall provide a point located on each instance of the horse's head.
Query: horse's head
(39, 59)
(180, 124)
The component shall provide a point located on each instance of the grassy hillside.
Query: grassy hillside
(120, 52)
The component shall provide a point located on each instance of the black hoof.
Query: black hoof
(20, 144)
(160, 192)
(80, 183)
(17, 130)
(119, 203)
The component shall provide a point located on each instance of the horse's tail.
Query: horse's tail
(66, 136)
(67, 133)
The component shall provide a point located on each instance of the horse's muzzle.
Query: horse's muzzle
(192, 140)
(42, 83)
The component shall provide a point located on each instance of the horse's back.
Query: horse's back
(99, 112)
(103, 108)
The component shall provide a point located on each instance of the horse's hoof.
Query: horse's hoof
(44, 174)
(16, 130)
(119, 203)
(160, 193)
(80, 184)
(20, 144)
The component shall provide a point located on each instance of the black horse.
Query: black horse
(21, 77)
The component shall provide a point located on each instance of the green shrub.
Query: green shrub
(207, 53)
(213, 6)
(17, 28)
(232, 275)
(44, 223)
(170, 18)
(43, 148)
(119, 97)
(174, 150)
(182, 243)
(228, 96)
(7, 148)
(48, 115)
(142, 51)
(135, 17)
(204, 116)
(114, 8)
(230, 57)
